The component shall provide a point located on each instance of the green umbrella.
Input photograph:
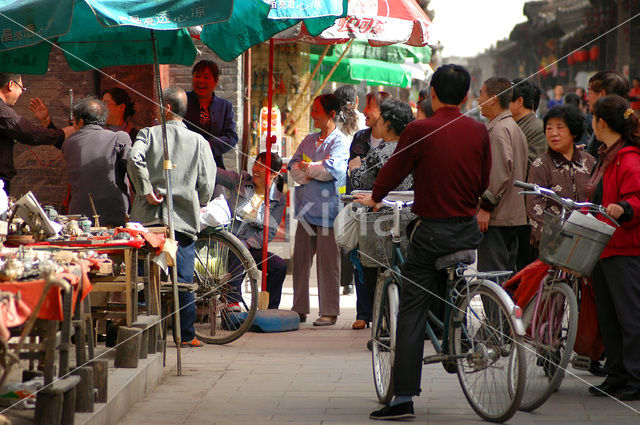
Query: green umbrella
(87, 44)
(395, 53)
(250, 24)
(354, 70)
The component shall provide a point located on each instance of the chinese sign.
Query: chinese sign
(23, 23)
(161, 14)
(303, 9)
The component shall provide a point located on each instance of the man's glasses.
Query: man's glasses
(23, 88)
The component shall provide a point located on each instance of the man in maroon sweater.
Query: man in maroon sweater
(450, 157)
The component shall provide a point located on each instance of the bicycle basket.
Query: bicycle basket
(374, 235)
(572, 246)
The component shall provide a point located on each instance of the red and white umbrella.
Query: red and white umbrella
(380, 22)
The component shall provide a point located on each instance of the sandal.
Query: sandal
(195, 342)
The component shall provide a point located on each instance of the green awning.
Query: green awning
(354, 70)
(395, 53)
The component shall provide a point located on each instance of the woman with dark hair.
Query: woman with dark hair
(246, 200)
(394, 117)
(615, 184)
(362, 142)
(424, 109)
(563, 167)
(350, 120)
(319, 166)
(121, 110)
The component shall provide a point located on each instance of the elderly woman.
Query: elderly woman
(615, 183)
(563, 168)
(246, 200)
(319, 166)
(394, 117)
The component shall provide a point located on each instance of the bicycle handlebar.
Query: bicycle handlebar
(404, 197)
(524, 185)
(534, 189)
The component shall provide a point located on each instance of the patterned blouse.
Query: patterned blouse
(362, 178)
(567, 178)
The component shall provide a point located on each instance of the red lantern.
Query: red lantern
(582, 56)
(594, 53)
(571, 60)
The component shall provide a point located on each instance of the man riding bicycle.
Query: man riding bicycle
(450, 157)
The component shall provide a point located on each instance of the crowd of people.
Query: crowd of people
(585, 147)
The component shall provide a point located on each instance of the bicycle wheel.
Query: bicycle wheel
(488, 351)
(551, 333)
(227, 294)
(383, 333)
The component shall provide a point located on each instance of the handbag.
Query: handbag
(345, 228)
(588, 341)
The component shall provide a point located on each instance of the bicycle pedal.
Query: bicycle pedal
(436, 358)
(581, 362)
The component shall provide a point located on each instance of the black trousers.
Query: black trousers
(499, 248)
(527, 254)
(616, 285)
(431, 239)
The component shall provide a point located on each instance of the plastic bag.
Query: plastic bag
(215, 213)
(21, 395)
(345, 228)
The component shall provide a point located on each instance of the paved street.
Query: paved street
(323, 376)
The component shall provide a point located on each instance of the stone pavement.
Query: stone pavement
(323, 376)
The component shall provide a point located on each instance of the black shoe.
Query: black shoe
(628, 394)
(303, 317)
(347, 290)
(596, 368)
(394, 413)
(605, 389)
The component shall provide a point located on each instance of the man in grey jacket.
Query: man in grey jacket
(193, 180)
(502, 211)
(524, 103)
(96, 165)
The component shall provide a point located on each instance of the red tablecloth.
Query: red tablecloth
(30, 292)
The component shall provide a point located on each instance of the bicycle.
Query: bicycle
(222, 265)
(571, 251)
(485, 352)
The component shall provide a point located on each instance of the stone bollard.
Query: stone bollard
(84, 390)
(127, 347)
(100, 379)
(144, 340)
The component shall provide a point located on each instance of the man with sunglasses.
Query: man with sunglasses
(15, 128)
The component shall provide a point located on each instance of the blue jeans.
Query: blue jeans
(364, 301)
(185, 262)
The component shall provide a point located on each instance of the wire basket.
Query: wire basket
(570, 246)
(374, 235)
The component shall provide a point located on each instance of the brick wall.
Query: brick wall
(42, 169)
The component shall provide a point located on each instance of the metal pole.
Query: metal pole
(246, 128)
(263, 303)
(169, 199)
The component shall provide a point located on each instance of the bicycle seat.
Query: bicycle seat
(466, 256)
